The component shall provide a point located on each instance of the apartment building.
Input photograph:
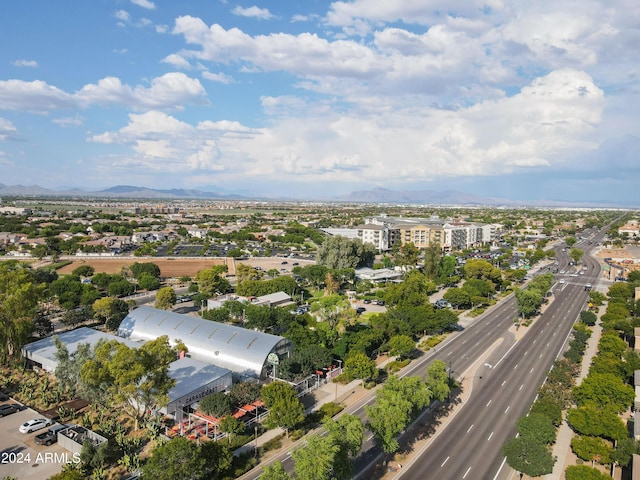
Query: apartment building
(384, 232)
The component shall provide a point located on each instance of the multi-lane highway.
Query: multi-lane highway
(470, 447)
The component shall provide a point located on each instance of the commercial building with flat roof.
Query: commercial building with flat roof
(243, 351)
(194, 379)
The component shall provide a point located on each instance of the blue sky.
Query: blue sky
(523, 100)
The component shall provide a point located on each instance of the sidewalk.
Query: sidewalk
(562, 447)
(329, 392)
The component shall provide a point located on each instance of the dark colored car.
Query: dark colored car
(360, 310)
(50, 436)
(9, 409)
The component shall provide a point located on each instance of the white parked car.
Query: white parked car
(35, 424)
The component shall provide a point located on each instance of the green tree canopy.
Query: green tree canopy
(111, 311)
(528, 456)
(316, 459)
(147, 281)
(537, 426)
(415, 290)
(274, 471)
(604, 391)
(211, 282)
(182, 458)
(231, 426)
(243, 393)
(285, 409)
(216, 404)
(528, 302)
(137, 379)
(401, 345)
(576, 254)
(596, 422)
(83, 271)
(408, 255)
(166, 298)
(584, 472)
(483, 270)
(339, 252)
(138, 269)
(549, 406)
(359, 365)
(592, 449)
(437, 380)
(18, 302)
(396, 402)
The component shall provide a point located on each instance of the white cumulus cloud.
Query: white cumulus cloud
(25, 63)
(144, 4)
(535, 128)
(253, 12)
(7, 130)
(170, 91)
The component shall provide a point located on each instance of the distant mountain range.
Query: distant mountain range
(376, 195)
(119, 191)
(432, 197)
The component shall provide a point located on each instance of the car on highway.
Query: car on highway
(34, 424)
(50, 436)
(9, 409)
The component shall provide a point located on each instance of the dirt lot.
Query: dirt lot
(614, 253)
(178, 267)
(168, 267)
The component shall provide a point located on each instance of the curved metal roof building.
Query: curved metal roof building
(238, 349)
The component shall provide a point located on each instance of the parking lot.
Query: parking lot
(20, 457)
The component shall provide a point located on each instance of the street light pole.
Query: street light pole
(255, 434)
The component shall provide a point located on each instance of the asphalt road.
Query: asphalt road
(470, 447)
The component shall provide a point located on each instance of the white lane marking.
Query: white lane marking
(445, 461)
(489, 403)
(466, 473)
(531, 371)
(469, 429)
(490, 436)
(503, 383)
(516, 366)
(521, 387)
(507, 409)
